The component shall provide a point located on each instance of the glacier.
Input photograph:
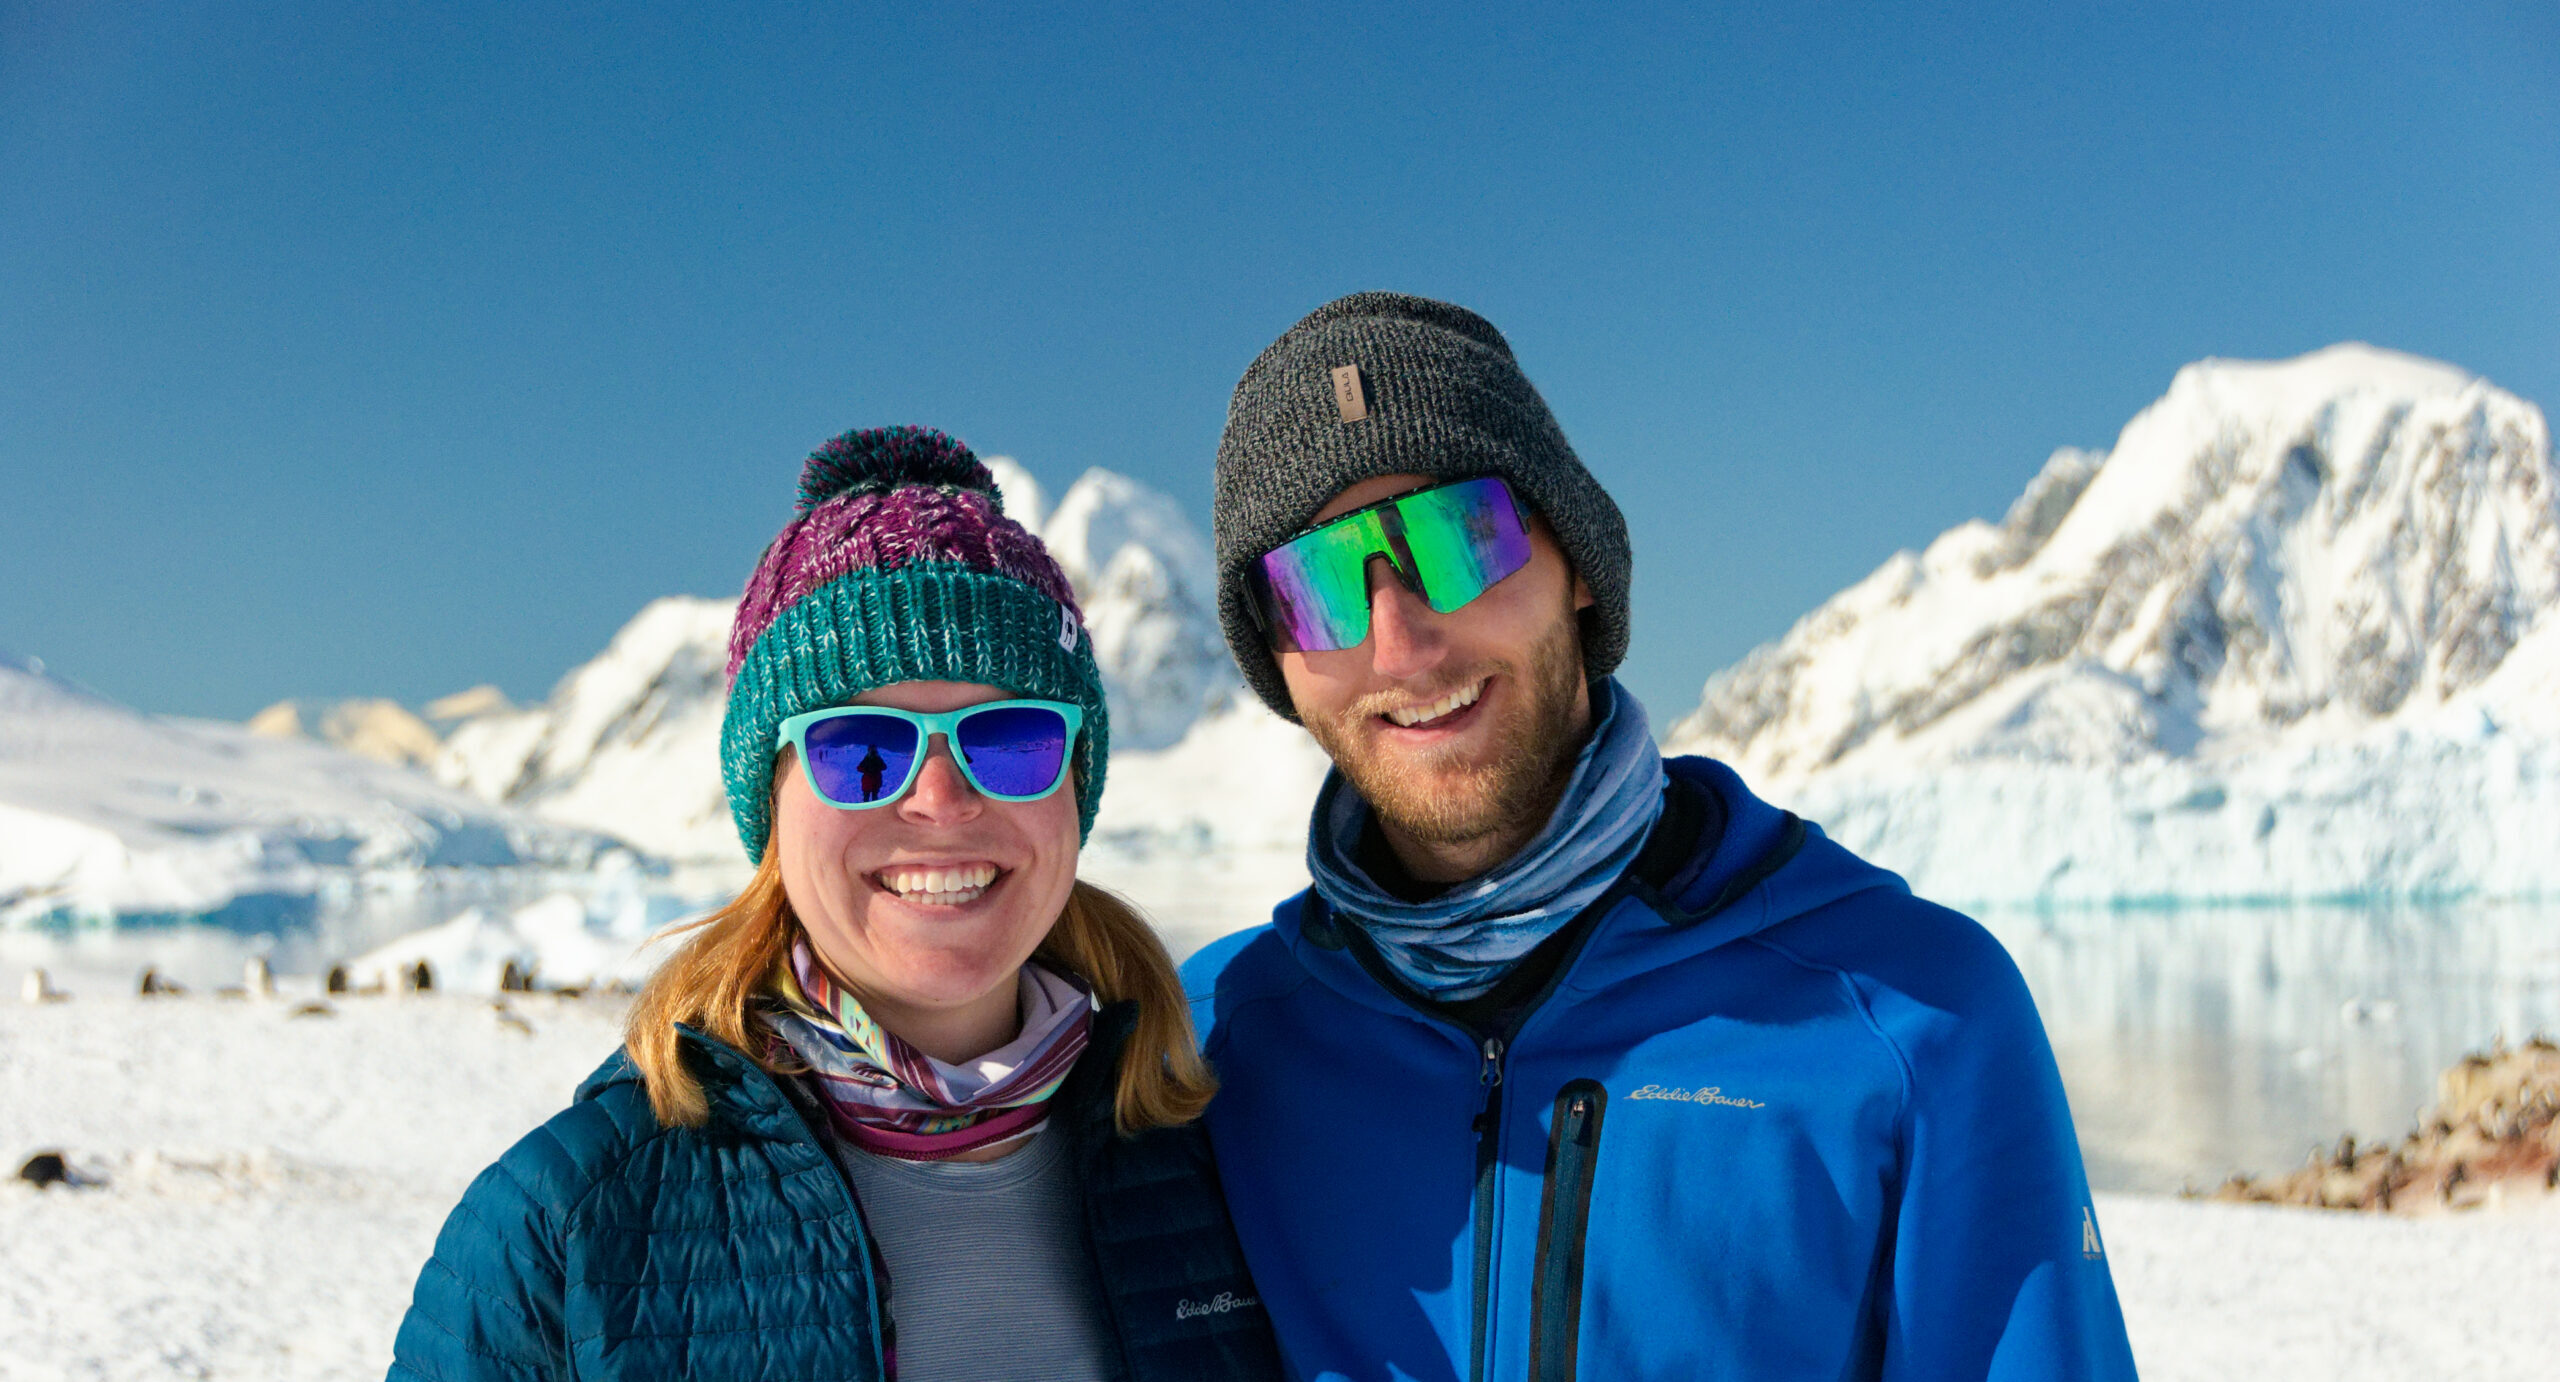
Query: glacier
(2291, 638)
(110, 813)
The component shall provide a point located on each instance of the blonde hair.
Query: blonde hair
(710, 983)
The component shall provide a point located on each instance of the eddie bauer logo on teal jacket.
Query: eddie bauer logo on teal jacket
(1774, 1118)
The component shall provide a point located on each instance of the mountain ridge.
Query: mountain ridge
(2280, 570)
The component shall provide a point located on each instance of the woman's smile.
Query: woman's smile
(938, 885)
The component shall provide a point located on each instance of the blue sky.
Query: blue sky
(388, 352)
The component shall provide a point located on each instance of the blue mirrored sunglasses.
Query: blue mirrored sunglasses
(860, 756)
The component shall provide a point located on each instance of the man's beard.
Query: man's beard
(1534, 749)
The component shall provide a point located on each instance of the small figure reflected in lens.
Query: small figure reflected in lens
(871, 767)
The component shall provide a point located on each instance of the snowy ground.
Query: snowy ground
(273, 1182)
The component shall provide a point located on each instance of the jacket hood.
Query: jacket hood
(1768, 867)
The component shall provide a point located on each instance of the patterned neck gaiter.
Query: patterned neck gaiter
(1458, 945)
(887, 1097)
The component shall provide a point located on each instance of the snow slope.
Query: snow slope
(105, 811)
(629, 743)
(1207, 835)
(2292, 636)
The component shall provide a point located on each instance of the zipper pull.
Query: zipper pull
(1489, 1074)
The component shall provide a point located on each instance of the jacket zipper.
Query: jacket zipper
(1488, 1130)
(1564, 1223)
(1492, 1051)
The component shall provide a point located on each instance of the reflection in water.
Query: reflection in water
(2199, 1042)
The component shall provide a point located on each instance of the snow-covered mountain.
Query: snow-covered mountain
(106, 811)
(629, 743)
(1143, 574)
(2294, 635)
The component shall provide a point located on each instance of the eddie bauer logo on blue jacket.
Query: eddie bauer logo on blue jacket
(1709, 1095)
(1774, 1119)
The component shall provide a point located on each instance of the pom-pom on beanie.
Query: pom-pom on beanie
(899, 564)
(1431, 390)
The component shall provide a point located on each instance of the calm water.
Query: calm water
(2193, 1042)
(2197, 1042)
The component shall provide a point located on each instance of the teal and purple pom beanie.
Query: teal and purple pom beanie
(899, 565)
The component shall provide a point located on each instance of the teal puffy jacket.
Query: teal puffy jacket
(606, 1246)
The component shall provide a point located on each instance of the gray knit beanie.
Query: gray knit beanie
(1438, 394)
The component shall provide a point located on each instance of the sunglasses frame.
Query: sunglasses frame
(1399, 557)
(930, 725)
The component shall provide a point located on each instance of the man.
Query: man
(1574, 1062)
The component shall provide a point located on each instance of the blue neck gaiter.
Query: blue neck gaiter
(1459, 944)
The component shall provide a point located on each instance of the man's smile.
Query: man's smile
(1442, 713)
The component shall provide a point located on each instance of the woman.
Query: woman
(867, 1121)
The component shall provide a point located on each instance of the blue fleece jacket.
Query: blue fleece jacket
(1775, 1119)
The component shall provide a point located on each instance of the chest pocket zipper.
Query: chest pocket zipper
(1564, 1223)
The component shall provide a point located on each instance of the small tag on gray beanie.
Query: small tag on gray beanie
(1348, 396)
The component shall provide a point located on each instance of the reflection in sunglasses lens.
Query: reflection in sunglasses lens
(860, 759)
(1015, 750)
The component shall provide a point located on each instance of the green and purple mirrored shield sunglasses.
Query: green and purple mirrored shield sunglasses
(1449, 544)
